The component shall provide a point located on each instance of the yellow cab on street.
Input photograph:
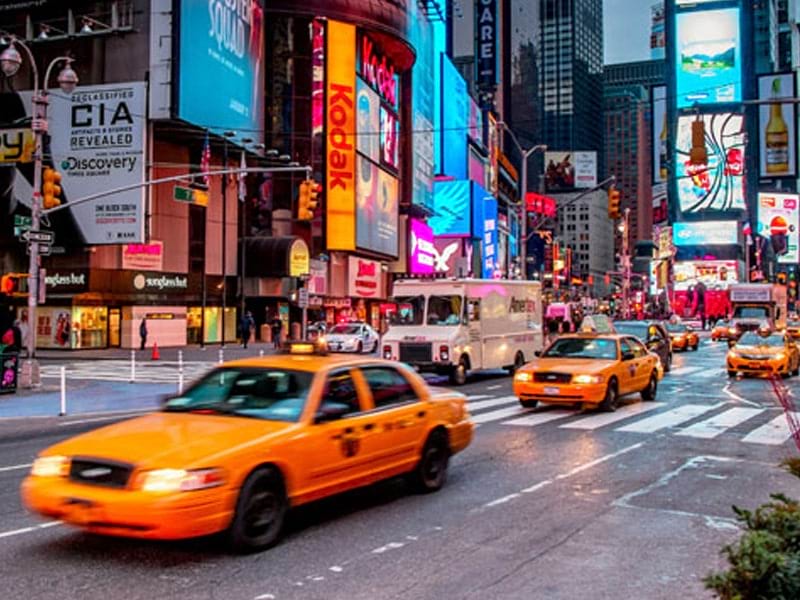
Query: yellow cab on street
(764, 353)
(682, 336)
(591, 369)
(248, 441)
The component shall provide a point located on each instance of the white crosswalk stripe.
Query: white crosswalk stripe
(496, 415)
(670, 418)
(603, 419)
(120, 370)
(713, 426)
(540, 417)
(774, 433)
(481, 404)
(685, 370)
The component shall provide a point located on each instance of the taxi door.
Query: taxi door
(342, 444)
(401, 416)
(627, 368)
(642, 368)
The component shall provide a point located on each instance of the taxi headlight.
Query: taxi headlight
(50, 466)
(180, 480)
(523, 377)
(587, 379)
(780, 356)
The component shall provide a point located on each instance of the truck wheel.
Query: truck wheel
(458, 376)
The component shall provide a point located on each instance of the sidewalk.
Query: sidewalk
(210, 352)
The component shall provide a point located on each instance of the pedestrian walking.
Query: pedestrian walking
(276, 326)
(246, 326)
(143, 333)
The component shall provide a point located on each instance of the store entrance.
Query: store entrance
(114, 327)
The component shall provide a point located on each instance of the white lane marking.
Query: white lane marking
(538, 418)
(709, 373)
(14, 532)
(265, 597)
(685, 370)
(727, 391)
(670, 418)
(714, 426)
(502, 500)
(537, 486)
(477, 397)
(14, 468)
(774, 433)
(603, 419)
(494, 387)
(496, 415)
(473, 406)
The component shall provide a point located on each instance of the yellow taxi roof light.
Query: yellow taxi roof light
(305, 348)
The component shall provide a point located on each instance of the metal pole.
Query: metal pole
(523, 227)
(626, 265)
(133, 366)
(63, 374)
(224, 239)
(305, 322)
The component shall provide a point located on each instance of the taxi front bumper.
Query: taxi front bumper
(763, 366)
(130, 513)
(560, 393)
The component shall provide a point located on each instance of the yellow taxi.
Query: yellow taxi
(793, 330)
(764, 354)
(589, 369)
(682, 336)
(248, 441)
(721, 330)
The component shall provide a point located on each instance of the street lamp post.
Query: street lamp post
(523, 234)
(10, 62)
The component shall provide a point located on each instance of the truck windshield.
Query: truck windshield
(445, 310)
(751, 312)
(409, 310)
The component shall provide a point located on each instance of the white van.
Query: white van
(454, 326)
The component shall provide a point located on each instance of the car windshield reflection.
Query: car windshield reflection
(592, 348)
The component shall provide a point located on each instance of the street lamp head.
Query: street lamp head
(10, 61)
(229, 134)
(67, 78)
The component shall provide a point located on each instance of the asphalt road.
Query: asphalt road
(545, 504)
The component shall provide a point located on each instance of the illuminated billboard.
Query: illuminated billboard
(455, 117)
(452, 208)
(423, 107)
(718, 186)
(708, 57)
(777, 127)
(660, 134)
(484, 227)
(705, 233)
(221, 56)
(567, 171)
(368, 121)
(340, 116)
(778, 217)
(422, 252)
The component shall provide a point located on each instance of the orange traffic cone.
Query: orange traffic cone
(155, 355)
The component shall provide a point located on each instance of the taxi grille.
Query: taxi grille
(99, 472)
(754, 357)
(416, 353)
(552, 377)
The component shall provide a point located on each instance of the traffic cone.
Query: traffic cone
(155, 355)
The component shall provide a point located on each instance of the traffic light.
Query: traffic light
(698, 155)
(313, 200)
(307, 199)
(51, 190)
(781, 278)
(614, 209)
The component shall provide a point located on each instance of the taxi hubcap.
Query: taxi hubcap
(261, 512)
(433, 464)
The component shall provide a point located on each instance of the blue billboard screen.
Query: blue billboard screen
(452, 208)
(708, 57)
(221, 57)
(484, 227)
(455, 121)
(423, 105)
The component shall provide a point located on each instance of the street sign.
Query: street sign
(302, 297)
(44, 249)
(21, 223)
(190, 195)
(43, 237)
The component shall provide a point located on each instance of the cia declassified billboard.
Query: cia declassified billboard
(718, 186)
(221, 57)
(778, 216)
(566, 171)
(708, 57)
(97, 142)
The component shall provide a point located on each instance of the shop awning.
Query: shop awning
(276, 257)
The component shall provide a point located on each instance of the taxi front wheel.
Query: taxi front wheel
(260, 512)
(609, 403)
(649, 393)
(431, 470)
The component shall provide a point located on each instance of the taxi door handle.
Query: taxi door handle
(421, 414)
(369, 426)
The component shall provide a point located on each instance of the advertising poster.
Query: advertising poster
(452, 211)
(658, 36)
(423, 105)
(475, 130)
(777, 145)
(368, 121)
(778, 216)
(711, 273)
(455, 113)
(708, 57)
(567, 171)
(477, 167)
(705, 233)
(484, 227)
(390, 138)
(585, 170)
(719, 186)
(143, 257)
(377, 205)
(422, 252)
(221, 56)
(97, 142)
(660, 207)
(660, 134)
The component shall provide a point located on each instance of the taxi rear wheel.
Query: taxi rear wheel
(609, 403)
(260, 512)
(649, 393)
(430, 473)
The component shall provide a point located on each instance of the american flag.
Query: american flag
(205, 161)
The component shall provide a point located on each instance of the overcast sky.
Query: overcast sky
(626, 29)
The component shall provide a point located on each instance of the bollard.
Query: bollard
(180, 360)
(63, 392)
(133, 366)
(180, 372)
(221, 356)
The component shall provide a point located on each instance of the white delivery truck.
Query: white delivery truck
(454, 326)
(756, 304)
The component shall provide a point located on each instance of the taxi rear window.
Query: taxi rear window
(260, 393)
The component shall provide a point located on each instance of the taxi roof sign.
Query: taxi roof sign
(599, 324)
(305, 348)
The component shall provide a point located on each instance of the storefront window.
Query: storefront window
(89, 327)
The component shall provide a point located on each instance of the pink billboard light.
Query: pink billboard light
(422, 252)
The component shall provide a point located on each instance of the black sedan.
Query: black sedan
(653, 334)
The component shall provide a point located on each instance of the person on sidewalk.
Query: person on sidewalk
(277, 325)
(143, 333)
(246, 325)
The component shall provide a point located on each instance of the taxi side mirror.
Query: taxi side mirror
(537, 353)
(628, 356)
(331, 411)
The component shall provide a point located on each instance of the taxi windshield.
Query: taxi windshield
(676, 328)
(259, 393)
(751, 338)
(346, 330)
(409, 310)
(596, 348)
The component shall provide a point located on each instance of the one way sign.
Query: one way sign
(42, 237)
